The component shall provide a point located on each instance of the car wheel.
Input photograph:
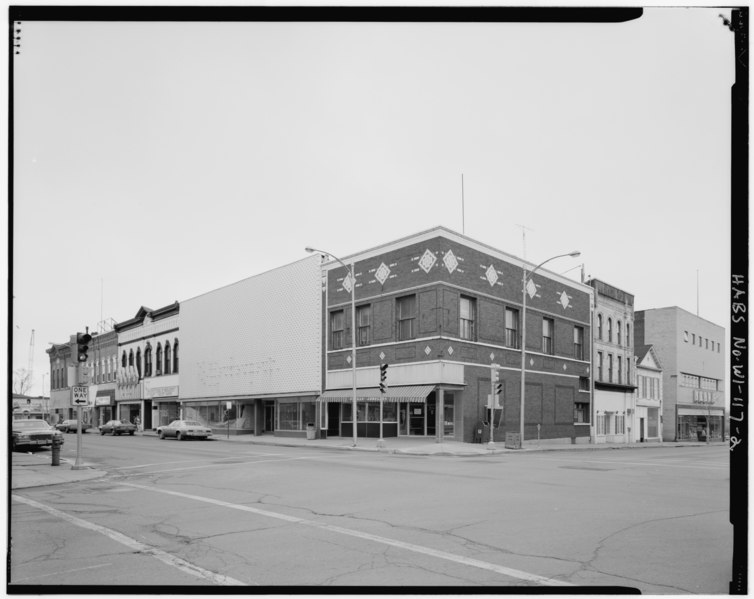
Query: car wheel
(178, 436)
(162, 434)
(102, 432)
(131, 432)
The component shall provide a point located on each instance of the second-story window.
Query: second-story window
(610, 330)
(148, 361)
(336, 329)
(599, 326)
(364, 322)
(618, 332)
(406, 317)
(548, 331)
(158, 359)
(467, 311)
(138, 361)
(609, 368)
(620, 370)
(167, 357)
(599, 366)
(175, 355)
(511, 328)
(578, 343)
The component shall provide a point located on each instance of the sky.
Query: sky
(154, 162)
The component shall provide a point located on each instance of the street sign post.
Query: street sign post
(79, 397)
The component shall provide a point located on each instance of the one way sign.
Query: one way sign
(80, 396)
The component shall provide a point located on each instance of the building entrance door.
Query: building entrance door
(147, 424)
(416, 419)
(333, 419)
(641, 430)
(269, 417)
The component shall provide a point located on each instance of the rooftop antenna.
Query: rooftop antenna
(523, 233)
(697, 292)
(463, 209)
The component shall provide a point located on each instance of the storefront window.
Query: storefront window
(369, 411)
(307, 413)
(288, 417)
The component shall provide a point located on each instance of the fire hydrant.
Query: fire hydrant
(56, 452)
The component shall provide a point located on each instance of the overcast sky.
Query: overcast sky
(154, 162)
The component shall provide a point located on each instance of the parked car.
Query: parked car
(184, 429)
(72, 426)
(34, 433)
(117, 427)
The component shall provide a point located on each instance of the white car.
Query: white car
(184, 429)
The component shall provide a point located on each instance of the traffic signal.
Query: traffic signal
(497, 384)
(383, 378)
(82, 346)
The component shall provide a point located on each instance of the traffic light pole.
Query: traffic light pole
(82, 347)
(493, 372)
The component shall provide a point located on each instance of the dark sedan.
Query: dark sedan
(117, 427)
(72, 426)
(34, 433)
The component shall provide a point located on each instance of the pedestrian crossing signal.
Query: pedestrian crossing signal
(383, 378)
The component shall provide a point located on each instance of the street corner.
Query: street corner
(36, 470)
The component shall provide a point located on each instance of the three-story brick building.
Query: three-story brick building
(440, 308)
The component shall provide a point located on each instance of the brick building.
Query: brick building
(613, 363)
(439, 308)
(148, 366)
(62, 377)
(103, 366)
(692, 352)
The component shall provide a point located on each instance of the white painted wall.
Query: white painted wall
(259, 336)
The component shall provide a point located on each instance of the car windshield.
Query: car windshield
(30, 425)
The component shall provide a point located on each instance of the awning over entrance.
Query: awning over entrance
(409, 393)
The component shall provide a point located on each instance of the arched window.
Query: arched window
(123, 362)
(148, 360)
(131, 358)
(167, 357)
(628, 335)
(138, 361)
(610, 330)
(617, 331)
(175, 355)
(599, 326)
(158, 359)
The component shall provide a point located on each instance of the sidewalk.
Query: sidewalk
(35, 469)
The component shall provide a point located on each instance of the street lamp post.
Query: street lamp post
(353, 333)
(525, 280)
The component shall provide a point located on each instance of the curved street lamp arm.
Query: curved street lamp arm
(333, 256)
(536, 268)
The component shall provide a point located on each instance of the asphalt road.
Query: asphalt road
(212, 513)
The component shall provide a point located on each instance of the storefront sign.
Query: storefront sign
(171, 391)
